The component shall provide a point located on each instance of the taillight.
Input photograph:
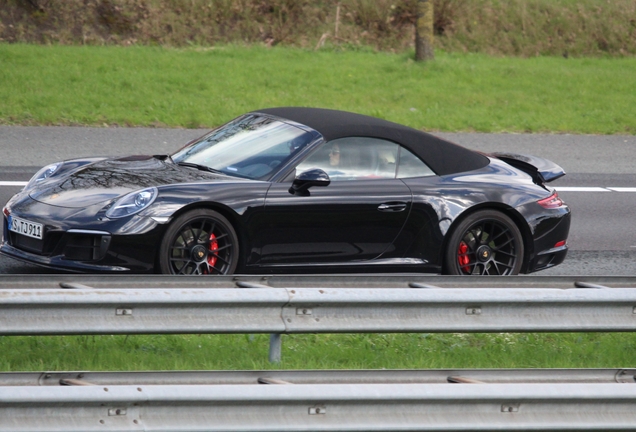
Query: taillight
(551, 202)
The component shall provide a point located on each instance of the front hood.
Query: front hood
(108, 179)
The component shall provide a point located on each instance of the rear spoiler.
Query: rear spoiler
(541, 170)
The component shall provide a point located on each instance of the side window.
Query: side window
(354, 158)
(412, 166)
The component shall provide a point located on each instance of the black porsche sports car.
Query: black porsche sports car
(294, 190)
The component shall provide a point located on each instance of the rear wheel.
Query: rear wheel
(200, 242)
(487, 243)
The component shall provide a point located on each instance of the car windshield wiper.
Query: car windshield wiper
(199, 167)
(163, 157)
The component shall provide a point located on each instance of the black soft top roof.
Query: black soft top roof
(442, 156)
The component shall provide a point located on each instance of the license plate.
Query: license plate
(25, 227)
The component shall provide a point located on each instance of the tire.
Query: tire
(199, 242)
(487, 243)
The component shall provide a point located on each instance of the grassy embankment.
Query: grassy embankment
(144, 86)
(526, 28)
(154, 86)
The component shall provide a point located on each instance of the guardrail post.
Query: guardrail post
(275, 344)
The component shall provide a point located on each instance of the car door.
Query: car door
(353, 219)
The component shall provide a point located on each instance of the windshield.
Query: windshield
(250, 146)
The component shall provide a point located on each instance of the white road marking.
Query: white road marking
(581, 189)
(13, 183)
(622, 189)
(594, 189)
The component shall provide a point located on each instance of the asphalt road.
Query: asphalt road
(600, 186)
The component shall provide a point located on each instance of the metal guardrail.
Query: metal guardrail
(380, 376)
(438, 400)
(469, 406)
(254, 307)
(314, 310)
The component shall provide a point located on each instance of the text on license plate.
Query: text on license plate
(25, 227)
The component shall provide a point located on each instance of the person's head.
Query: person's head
(334, 155)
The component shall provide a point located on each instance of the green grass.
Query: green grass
(152, 86)
(358, 351)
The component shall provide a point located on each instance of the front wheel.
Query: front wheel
(199, 242)
(487, 243)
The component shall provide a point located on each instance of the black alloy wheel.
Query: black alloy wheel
(486, 243)
(200, 242)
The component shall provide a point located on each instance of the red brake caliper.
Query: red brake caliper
(462, 257)
(214, 247)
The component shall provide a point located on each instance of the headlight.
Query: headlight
(43, 174)
(132, 203)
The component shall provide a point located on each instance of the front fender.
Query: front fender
(240, 197)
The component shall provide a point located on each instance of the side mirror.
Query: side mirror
(307, 179)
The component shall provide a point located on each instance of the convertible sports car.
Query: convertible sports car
(294, 190)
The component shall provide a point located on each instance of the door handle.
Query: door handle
(392, 207)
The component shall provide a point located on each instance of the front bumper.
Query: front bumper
(102, 250)
(57, 262)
